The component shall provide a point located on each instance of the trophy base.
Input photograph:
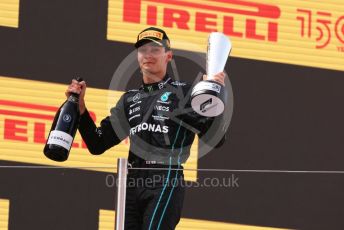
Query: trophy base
(207, 98)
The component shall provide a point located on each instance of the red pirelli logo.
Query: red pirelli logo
(179, 14)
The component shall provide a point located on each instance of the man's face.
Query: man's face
(153, 58)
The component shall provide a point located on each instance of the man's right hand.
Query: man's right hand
(78, 88)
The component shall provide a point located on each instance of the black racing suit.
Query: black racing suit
(161, 125)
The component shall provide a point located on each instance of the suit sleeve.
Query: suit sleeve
(112, 130)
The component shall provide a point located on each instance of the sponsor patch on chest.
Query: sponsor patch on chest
(154, 128)
(162, 108)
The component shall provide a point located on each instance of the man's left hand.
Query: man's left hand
(219, 78)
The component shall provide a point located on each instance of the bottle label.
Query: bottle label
(60, 138)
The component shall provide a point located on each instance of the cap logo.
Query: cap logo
(151, 33)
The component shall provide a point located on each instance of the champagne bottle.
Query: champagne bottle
(63, 129)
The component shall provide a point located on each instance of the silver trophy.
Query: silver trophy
(208, 97)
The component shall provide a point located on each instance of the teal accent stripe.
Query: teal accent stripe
(174, 183)
(168, 176)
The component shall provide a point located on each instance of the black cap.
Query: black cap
(153, 34)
